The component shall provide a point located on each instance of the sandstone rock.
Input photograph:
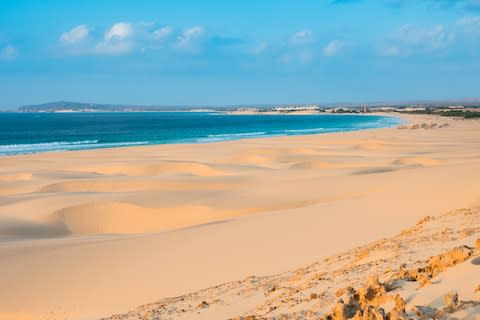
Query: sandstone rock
(345, 309)
(342, 291)
(425, 219)
(374, 313)
(396, 315)
(451, 301)
(361, 304)
(399, 304)
(372, 293)
(435, 265)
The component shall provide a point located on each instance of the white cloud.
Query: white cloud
(302, 37)
(189, 38)
(117, 40)
(113, 48)
(77, 34)
(119, 31)
(162, 33)
(298, 50)
(332, 48)
(8, 52)
(469, 33)
(432, 38)
(412, 39)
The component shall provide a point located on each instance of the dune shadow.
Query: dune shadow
(13, 228)
(476, 261)
(374, 171)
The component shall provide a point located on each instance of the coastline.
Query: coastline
(82, 141)
(260, 206)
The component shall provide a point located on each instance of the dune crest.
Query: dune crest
(193, 168)
(126, 218)
(15, 177)
(120, 185)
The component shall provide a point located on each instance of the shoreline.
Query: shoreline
(78, 145)
(161, 221)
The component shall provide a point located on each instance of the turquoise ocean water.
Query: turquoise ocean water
(22, 133)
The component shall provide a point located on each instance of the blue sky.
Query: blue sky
(212, 52)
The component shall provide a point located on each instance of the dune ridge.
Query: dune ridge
(117, 185)
(126, 218)
(15, 177)
(120, 217)
(193, 168)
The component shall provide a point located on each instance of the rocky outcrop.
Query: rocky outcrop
(435, 265)
(366, 303)
(369, 302)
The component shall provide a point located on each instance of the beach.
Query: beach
(91, 233)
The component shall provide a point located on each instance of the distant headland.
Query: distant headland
(464, 108)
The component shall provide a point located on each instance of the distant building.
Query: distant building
(294, 108)
(413, 109)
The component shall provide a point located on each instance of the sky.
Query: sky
(217, 52)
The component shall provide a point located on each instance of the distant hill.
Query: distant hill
(68, 106)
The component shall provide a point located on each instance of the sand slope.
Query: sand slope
(416, 269)
(92, 233)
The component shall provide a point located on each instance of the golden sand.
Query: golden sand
(86, 234)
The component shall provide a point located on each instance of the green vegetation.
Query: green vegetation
(460, 113)
(466, 114)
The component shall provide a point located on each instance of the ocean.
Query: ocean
(23, 133)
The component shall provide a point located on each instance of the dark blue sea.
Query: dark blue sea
(22, 133)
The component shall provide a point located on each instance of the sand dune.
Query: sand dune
(372, 145)
(15, 177)
(420, 161)
(11, 227)
(87, 234)
(127, 218)
(322, 165)
(89, 185)
(118, 217)
(193, 168)
(12, 190)
(304, 151)
(259, 157)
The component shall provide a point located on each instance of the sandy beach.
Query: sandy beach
(89, 234)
